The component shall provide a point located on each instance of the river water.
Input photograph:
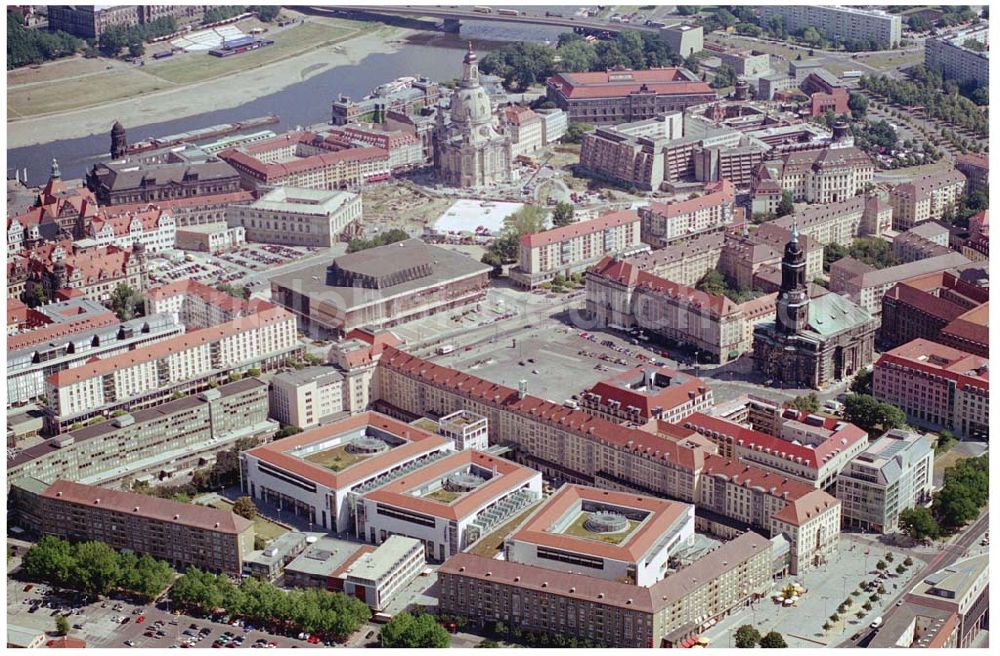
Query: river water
(432, 54)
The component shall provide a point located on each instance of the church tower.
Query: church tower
(119, 145)
(793, 299)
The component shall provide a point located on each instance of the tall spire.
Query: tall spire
(795, 232)
(55, 169)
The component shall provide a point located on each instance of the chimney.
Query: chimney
(522, 389)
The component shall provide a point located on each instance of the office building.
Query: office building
(403, 96)
(605, 612)
(157, 445)
(647, 392)
(844, 24)
(90, 21)
(821, 176)
(147, 376)
(300, 217)
(82, 330)
(321, 473)
(355, 357)
(404, 148)
(893, 474)
(307, 160)
(620, 295)
(867, 286)
(809, 448)
(448, 504)
(976, 168)
(624, 96)
(212, 238)
(194, 210)
(924, 305)
(924, 240)
(963, 56)
(306, 397)
(685, 40)
(604, 534)
(573, 248)
(938, 387)
(554, 124)
(663, 223)
(961, 589)
(466, 429)
(183, 534)
(927, 198)
(380, 287)
(377, 576)
(839, 222)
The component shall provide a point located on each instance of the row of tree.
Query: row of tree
(94, 568)
(116, 37)
(334, 615)
(940, 100)
(413, 631)
(959, 501)
(748, 637)
(506, 248)
(873, 252)
(381, 239)
(27, 46)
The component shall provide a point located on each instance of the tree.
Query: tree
(126, 302)
(862, 383)
(136, 49)
(97, 571)
(858, 104)
(245, 507)
(492, 258)
(520, 64)
(900, 569)
(831, 253)
(488, 643)
(773, 640)
(945, 441)
(562, 214)
(413, 632)
(575, 131)
(525, 221)
(866, 606)
(62, 625)
(712, 282)
(786, 206)
(725, 76)
(808, 402)
(964, 493)
(51, 559)
(747, 637)
(919, 523)
(881, 565)
(872, 416)
(577, 56)
(34, 295)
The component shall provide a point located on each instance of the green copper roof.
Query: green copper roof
(831, 314)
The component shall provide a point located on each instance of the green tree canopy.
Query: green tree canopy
(245, 507)
(786, 206)
(862, 382)
(62, 625)
(413, 632)
(126, 302)
(747, 637)
(871, 415)
(562, 214)
(808, 402)
(773, 640)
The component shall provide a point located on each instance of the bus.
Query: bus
(852, 74)
(508, 12)
(482, 10)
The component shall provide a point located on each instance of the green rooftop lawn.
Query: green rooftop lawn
(577, 529)
(443, 495)
(337, 459)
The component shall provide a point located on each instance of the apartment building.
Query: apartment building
(809, 448)
(959, 60)
(448, 504)
(572, 446)
(154, 228)
(571, 249)
(775, 235)
(405, 150)
(645, 393)
(564, 534)
(146, 376)
(839, 23)
(155, 445)
(34, 355)
(924, 305)
(305, 397)
(308, 160)
(976, 168)
(620, 295)
(355, 357)
(321, 473)
(183, 534)
(867, 287)
(526, 130)
(622, 96)
(963, 589)
(686, 261)
(842, 221)
(926, 198)
(924, 240)
(977, 246)
(821, 176)
(663, 223)
(300, 217)
(377, 576)
(382, 287)
(937, 386)
(893, 474)
(555, 122)
(608, 613)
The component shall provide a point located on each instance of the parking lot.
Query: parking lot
(228, 267)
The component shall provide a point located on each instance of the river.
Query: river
(433, 54)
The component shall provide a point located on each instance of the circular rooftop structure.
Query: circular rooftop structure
(604, 521)
(367, 446)
(463, 482)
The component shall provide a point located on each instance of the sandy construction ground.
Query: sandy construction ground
(168, 97)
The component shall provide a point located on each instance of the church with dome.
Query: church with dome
(812, 342)
(470, 149)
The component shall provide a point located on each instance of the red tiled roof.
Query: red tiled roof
(518, 114)
(676, 394)
(180, 203)
(806, 507)
(507, 478)
(164, 510)
(625, 272)
(537, 529)
(716, 193)
(57, 330)
(748, 475)
(940, 360)
(556, 235)
(121, 221)
(176, 344)
(973, 326)
(418, 443)
(210, 295)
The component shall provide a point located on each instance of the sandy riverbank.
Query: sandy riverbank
(194, 99)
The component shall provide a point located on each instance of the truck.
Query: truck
(852, 74)
(445, 349)
(877, 623)
(508, 12)
(482, 10)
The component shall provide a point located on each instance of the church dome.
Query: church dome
(471, 105)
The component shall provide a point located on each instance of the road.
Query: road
(949, 553)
